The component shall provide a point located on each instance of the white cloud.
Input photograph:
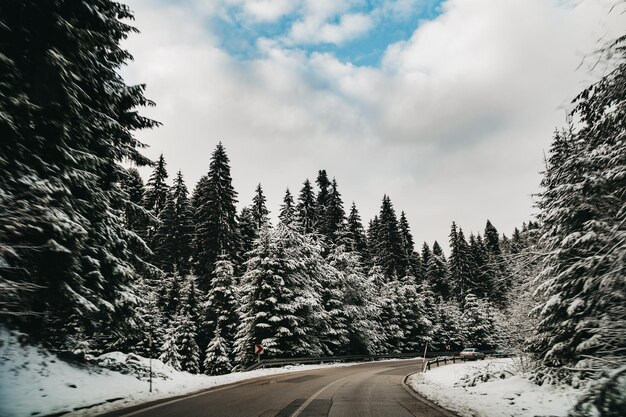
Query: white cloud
(453, 126)
(269, 10)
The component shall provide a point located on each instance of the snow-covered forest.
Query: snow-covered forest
(92, 259)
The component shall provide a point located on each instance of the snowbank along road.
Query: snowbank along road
(369, 390)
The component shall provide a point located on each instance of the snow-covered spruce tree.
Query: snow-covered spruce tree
(183, 229)
(425, 258)
(307, 208)
(452, 330)
(390, 316)
(136, 216)
(68, 120)
(359, 303)
(214, 201)
(459, 265)
(334, 218)
(220, 310)
(410, 263)
(188, 349)
(287, 213)
(335, 336)
(388, 249)
(169, 350)
(412, 317)
(437, 271)
(259, 210)
(281, 304)
(217, 358)
(157, 190)
(496, 275)
(162, 241)
(583, 213)
(357, 232)
(479, 322)
(247, 232)
(321, 204)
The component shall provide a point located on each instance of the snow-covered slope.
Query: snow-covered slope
(459, 387)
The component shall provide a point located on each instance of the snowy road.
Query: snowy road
(372, 390)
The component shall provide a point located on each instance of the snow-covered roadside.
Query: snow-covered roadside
(36, 382)
(513, 396)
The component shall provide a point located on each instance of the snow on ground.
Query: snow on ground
(36, 382)
(513, 396)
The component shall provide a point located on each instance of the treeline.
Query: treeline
(317, 283)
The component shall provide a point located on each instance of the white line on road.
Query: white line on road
(312, 397)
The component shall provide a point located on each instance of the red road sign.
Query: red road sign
(258, 349)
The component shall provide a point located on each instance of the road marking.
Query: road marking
(314, 396)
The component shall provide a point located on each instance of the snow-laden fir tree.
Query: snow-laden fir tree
(412, 317)
(216, 231)
(287, 213)
(582, 313)
(388, 248)
(183, 228)
(307, 208)
(259, 210)
(359, 303)
(356, 232)
(334, 216)
(186, 334)
(425, 258)
(479, 322)
(410, 263)
(169, 350)
(157, 190)
(459, 265)
(221, 306)
(437, 271)
(321, 204)
(68, 123)
(217, 356)
(162, 241)
(137, 218)
(452, 327)
(281, 306)
(247, 232)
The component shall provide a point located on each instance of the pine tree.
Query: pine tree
(437, 272)
(459, 271)
(183, 228)
(479, 322)
(426, 253)
(215, 218)
(68, 123)
(287, 213)
(281, 304)
(388, 248)
(334, 216)
(186, 342)
(409, 259)
(221, 304)
(157, 189)
(217, 360)
(247, 231)
(358, 303)
(482, 277)
(136, 216)
(169, 350)
(163, 241)
(259, 210)
(307, 208)
(323, 184)
(582, 318)
(357, 232)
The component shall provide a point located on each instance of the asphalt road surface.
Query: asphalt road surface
(372, 389)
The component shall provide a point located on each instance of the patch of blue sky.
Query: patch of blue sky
(238, 35)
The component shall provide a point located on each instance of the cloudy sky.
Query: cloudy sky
(446, 106)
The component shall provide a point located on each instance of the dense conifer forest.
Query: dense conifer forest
(94, 260)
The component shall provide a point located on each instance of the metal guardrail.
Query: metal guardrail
(348, 358)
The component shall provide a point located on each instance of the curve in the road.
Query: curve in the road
(374, 389)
